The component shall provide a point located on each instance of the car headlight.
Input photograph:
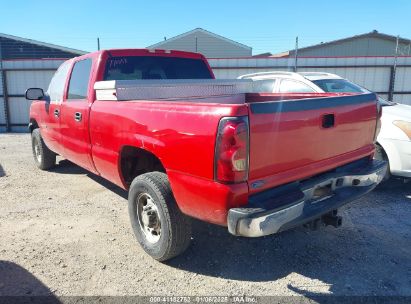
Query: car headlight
(405, 126)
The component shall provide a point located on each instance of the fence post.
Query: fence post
(4, 90)
(392, 83)
(296, 55)
(393, 71)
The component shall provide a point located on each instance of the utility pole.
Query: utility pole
(296, 54)
(98, 44)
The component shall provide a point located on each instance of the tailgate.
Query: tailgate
(295, 139)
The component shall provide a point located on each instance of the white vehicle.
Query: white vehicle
(394, 140)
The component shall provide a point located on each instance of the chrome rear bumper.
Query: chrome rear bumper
(297, 203)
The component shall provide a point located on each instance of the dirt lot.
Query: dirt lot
(67, 232)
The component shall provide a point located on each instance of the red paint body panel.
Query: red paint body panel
(75, 134)
(181, 135)
(284, 146)
(299, 146)
(49, 123)
(206, 199)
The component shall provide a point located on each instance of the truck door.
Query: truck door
(75, 116)
(50, 118)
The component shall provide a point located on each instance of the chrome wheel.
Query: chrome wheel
(37, 150)
(148, 217)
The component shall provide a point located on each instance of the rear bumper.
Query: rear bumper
(297, 203)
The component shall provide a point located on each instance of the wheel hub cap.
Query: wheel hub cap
(148, 218)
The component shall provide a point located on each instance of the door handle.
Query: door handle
(328, 121)
(77, 116)
(57, 112)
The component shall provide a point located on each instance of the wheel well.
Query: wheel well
(33, 125)
(135, 161)
(381, 148)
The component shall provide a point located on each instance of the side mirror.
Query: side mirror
(34, 94)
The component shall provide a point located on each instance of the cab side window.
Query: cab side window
(79, 80)
(291, 86)
(56, 86)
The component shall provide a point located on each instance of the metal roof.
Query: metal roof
(373, 34)
(201, 31)
(49, 45)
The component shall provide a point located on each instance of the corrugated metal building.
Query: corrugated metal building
(207, 43)
(369, 44)
(25, 63)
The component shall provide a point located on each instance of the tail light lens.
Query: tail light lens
(232, 150)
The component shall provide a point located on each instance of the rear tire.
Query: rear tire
(381, 155)
(158, 224)
(43, 156)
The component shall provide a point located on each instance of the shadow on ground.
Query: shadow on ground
(369, 255)
(66, 167)
(18, 285)
(2, 172)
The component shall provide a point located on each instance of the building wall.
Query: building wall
(207, 45)
(21, 75)
(367, 46)
(21, 68)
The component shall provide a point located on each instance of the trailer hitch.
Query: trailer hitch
(328, 219)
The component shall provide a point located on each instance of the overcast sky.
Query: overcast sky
(266, 26)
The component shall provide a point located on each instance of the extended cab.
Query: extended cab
(186, 145)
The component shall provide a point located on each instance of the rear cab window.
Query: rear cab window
(155, 67)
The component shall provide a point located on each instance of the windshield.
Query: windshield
(155, 67)
(338, 86)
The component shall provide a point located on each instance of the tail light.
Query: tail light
(232, 150)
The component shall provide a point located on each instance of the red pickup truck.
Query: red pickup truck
(186, 145)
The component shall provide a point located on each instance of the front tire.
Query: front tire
(43, 156)
(158, 224)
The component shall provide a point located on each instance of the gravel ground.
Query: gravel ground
(67, 232)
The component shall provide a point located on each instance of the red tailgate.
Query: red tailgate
(294, 139)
